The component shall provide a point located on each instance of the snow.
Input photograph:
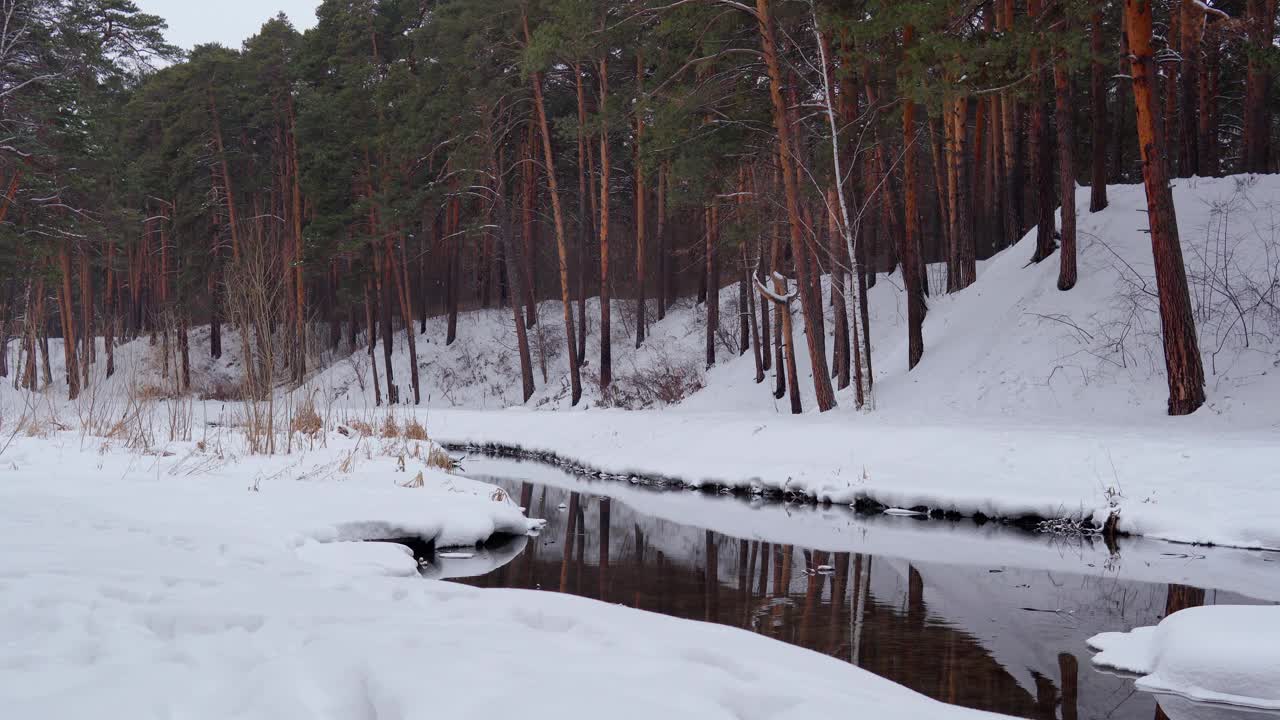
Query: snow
(1218, 654)
(157, 596)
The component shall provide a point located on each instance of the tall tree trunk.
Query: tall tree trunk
(1261, 19)
(1013, 164)
(1122, 133)
(1066, 175)
(110, 310)
(1207, 101)
(299, 258)
(1041, 147)
(1192, 23)
(529, 228)
(840, 361)
(910, 252)
(65, 304)
(606, 340)
(1181, 348)
(813, 315)
(400, 273)
(712, 269)
(575, 379)
(385, 300)
(1098, 99)
(641, 190)
(514, 275)
(453, 266)
(664, 261)
(369, 299)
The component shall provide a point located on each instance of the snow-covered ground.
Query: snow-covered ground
(1217, 654)
(133, 587)
(154, 566)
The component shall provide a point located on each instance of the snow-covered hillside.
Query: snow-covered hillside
(1012, 345)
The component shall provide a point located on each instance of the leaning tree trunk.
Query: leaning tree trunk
(1181, 350)
(813, 315)
(575, 378)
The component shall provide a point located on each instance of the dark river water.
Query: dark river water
(986, 617)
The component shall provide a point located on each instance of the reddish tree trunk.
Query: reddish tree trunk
(813, 315)
(1181, 349)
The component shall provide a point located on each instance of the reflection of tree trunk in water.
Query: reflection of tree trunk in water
(839, 584)
(861, 583)
(781, 569)
(1046, 696)
(1180, 597)
(743, 549)
(568, 542)
(915, 597)
(661, 563)
(763, 586)
(750, 576)
(711, 586)
(582, 549)
(1069, 670)
(639, 562)
(812, 592)
(604, 549)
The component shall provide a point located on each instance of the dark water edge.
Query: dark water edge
(994, 619)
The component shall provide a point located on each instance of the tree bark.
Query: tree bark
(1181, 349)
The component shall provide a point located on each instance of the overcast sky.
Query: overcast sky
(229, 22)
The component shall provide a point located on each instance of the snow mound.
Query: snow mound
(1220, 653)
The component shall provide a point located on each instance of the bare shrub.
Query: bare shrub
(665, 381)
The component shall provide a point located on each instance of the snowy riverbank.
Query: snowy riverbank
(131, 585)
(1166, 480)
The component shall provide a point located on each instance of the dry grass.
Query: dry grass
(362, 428)
(306, 420)
(390, 428)
(413, 430)
(438, 458)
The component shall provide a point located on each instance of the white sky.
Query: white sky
(229, 22)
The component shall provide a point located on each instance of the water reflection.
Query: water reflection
(980, 634)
